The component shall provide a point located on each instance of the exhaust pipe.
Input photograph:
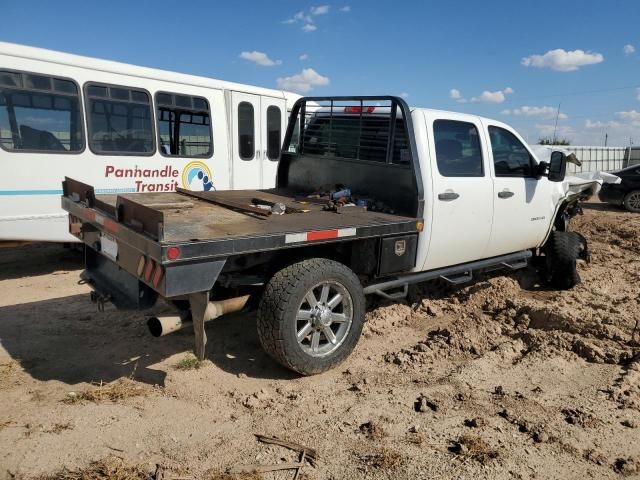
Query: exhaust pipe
(161, 326)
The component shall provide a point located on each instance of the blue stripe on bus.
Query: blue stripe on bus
(59, 192)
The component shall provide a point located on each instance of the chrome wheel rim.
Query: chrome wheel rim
(634, 200)
(324, 319)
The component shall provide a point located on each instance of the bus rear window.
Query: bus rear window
(184, 125)
(39, 113)
(119, 120)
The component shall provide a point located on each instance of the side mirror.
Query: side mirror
(557, 167)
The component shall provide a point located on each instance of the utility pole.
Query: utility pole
(555, 128)
(606, 138)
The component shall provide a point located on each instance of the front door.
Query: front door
(523, 205)
(273, 119)
(462, 197)
(246, 141)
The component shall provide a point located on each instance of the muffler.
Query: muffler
(161, 326)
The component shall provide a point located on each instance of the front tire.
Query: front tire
(311, 315)
(562, 251)
(632, 201)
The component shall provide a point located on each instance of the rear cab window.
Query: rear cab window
(349, 134)
(119, 120)
(40, 113)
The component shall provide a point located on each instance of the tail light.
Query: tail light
(359, 109)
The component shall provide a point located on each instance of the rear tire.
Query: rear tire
(562, 251)
(632, 201)
(311, 315)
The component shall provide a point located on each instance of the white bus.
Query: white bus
(123, 128)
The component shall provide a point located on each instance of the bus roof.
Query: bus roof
(79, 61)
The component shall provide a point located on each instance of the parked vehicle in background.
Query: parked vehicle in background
(625, 193)
(123, 128)
(371, 196)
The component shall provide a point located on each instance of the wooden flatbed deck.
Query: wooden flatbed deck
(187, 218)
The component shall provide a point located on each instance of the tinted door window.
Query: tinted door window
(184, 125)
(246, 131)
(119, 120)
(510, 156)
(458, 152)
(39, 113)
(274, 127)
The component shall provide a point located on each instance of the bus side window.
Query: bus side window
(39, 113)
(184, 125)
(119, 120)
(274, 127)
(246, 131)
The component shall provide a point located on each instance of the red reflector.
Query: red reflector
(359, 109)
(322, 235)
(173, 253)
(157, 276)
(148, 270)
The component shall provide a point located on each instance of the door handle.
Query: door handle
(506, 194)
(448, 196)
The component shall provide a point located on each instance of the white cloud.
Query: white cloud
(309, 27)
(345, 9)
(563, 61)
(545, 112)
(560, 131)
(455, 94)
(303, 57)
(303, 82)
(601, 125)
(498, 96)
(629, 49)
(260, 58)
(404, 95)
(630, 115)
(299, 17)
(320, 10)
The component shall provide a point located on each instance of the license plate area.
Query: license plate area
(109, 246)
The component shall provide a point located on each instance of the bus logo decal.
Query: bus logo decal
(196, 176)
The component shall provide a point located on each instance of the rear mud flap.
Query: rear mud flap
(113, 284)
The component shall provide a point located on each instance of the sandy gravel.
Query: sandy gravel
(499, 379)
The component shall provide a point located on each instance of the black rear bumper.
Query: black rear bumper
(113, 284)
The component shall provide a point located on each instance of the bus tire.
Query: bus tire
(311, 315)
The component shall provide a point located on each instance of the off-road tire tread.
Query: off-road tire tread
(279, 299)
(564, 250)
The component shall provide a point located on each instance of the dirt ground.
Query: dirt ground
(498, 379)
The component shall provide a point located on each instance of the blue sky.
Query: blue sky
(510, 60)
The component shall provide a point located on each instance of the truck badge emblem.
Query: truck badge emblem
(400, 247)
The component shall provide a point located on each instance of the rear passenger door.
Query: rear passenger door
(246, 142)
(273, 124)
(524, 204)
(462, 187)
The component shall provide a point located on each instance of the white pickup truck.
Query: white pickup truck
(371, 196)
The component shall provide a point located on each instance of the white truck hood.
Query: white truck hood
(587, 183)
